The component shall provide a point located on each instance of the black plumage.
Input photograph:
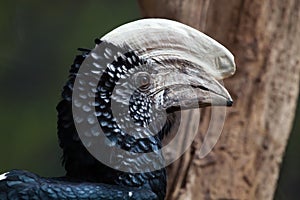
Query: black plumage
(24, 185)
(86, 177)
(79, 163)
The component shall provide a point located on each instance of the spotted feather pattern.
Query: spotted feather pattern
(79, 163)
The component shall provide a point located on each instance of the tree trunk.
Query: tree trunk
(264, 36)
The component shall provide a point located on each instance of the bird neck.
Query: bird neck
(79, 163)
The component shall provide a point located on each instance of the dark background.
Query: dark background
(38, 43)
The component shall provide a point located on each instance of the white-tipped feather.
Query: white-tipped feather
(130, 194)
(3, 176)
(163, 39)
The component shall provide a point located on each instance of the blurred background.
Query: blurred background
(38, 44)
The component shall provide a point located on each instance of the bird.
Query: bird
(120, 101)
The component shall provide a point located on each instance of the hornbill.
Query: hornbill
(120, 100)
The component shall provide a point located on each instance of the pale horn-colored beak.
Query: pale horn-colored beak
(190, 62)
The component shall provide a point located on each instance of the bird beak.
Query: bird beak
(186, 62)
(181, 91)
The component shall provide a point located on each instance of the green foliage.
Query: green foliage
(289, 179)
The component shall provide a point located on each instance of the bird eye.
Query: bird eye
(142, 80)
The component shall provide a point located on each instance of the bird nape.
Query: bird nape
(120, 100)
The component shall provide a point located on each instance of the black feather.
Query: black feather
(86, 177)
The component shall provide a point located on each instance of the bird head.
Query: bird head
(182, 65)
(140, 73)
(151, 66)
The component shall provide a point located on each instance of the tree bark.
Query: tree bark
(264, 36)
